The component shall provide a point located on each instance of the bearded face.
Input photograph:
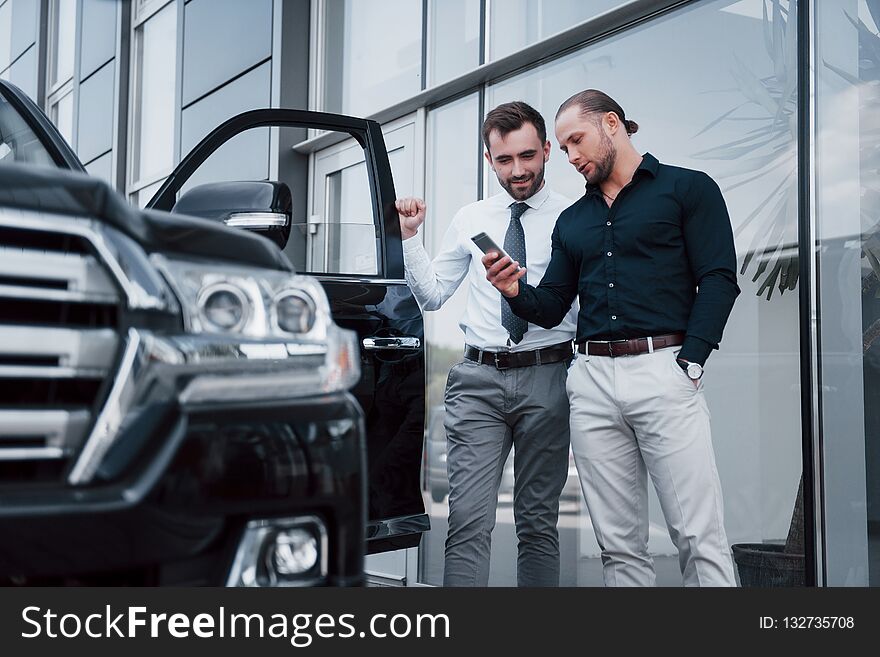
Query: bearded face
(603, 163)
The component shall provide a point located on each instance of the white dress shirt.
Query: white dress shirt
(432, 283)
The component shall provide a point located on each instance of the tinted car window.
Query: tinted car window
(18, 143)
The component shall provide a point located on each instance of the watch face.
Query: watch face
(694, 371)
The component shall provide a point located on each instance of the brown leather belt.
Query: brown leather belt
(632, 347)
(507, 359)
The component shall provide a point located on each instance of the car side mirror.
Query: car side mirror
(262, 207)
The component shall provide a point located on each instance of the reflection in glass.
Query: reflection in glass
(95, 115)
(62, 116)
(515, 24)
(18, 143)
(63, 35)
(245, 156)
(720, 97)
(101, 168)
(5, 35)
(98, 34)
(451, 176)
(23, 72)
(142, 196)
(348, 212)
(848, 230)
(372, 54)
(156, 63)
(454, 38)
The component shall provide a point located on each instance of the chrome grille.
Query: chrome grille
(59, 310)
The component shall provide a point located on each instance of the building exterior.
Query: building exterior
(777, 100)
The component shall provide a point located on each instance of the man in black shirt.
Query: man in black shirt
(648, 251)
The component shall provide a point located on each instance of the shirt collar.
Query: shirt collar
(648, 167)
(535, 201)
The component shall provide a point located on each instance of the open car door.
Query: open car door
(354, 248)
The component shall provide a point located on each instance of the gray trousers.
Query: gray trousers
(488, 411)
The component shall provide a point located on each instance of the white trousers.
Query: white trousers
(637, 415)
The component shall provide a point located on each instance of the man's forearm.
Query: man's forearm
(420, 275)
(712, 307)
(538, 306)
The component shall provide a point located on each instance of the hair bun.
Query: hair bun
(631, 127)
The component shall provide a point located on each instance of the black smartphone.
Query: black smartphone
(487, 244)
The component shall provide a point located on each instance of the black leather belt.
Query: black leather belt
(507, 359)
(632, 347)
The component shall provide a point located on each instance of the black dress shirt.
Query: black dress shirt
(660, 260)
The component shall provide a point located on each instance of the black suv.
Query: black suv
(177, 405)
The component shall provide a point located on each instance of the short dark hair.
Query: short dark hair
(593, 101)
(508, 117)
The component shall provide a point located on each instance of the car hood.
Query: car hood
(47, 189)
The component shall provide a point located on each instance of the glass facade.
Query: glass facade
(63, 40)
(708, 120)
(155, 48)
(847, 197)
(515, 24)
(713, 84)
(364, 73)
(246, 156)
(452, 176)
(453, 38)
(18, 48)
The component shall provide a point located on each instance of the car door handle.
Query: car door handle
(373, 344)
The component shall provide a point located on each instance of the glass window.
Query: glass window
(341, 235)
(209, 27)
(454, 38)
(451, 176)
(101, 167)
(515, 24)
(18, 29)
(847, 62)
(98, 35)
(711, 93)
(365, 69)
(23, 72)
(62, 116)
(155, 64)
(141, 197)
(144, 7)
(18, 143)
(245, 156)
(63, 40)
(350, 241)
(95, 116)
(5, 35)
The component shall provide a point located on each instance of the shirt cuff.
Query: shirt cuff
(413, 250)
(695, 350)
(411, 243)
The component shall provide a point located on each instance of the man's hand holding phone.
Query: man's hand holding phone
(501, 271)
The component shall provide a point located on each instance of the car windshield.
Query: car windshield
(18, 143)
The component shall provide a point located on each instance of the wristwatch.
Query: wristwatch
(693, 370)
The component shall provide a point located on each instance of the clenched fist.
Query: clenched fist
(412, 215)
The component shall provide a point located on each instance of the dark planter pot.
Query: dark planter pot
(767, 565)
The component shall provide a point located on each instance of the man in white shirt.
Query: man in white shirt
(509, 390)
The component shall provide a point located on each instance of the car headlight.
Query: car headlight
(281, 552)
(254, 333)
(294, 312)
(224, 307)
(245, 301)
